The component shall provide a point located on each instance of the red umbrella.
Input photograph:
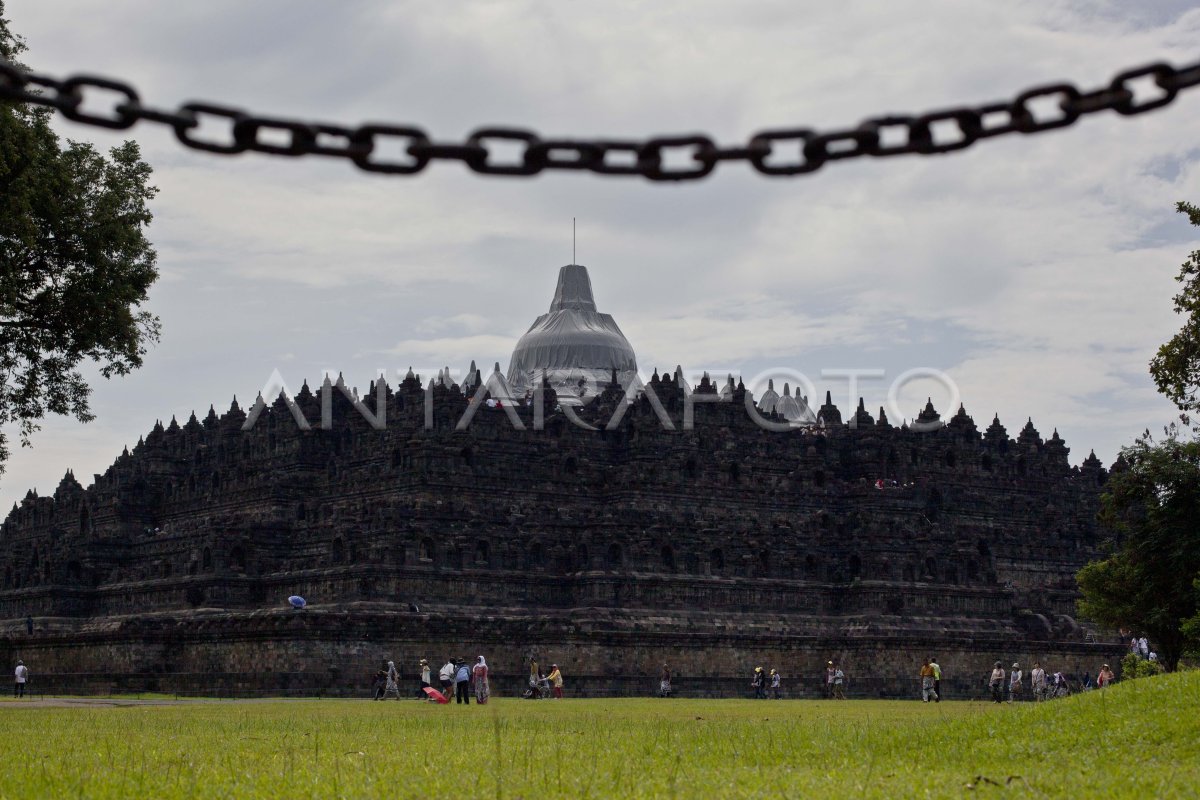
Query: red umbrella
(436, 695)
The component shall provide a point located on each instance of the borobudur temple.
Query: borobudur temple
(611, 531)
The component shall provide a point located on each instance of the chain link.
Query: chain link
(791, 151)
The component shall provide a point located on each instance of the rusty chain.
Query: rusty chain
(792, 151)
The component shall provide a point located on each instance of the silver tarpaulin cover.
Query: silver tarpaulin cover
(576, 345)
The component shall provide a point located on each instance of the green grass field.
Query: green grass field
(1139, 739)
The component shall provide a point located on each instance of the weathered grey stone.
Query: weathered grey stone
(609, 551)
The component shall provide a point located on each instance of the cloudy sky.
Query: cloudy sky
(1037, 272)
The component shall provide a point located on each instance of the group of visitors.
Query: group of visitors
(835, 681)
(763, 682)
(1140, 647)
(542, 685)
(768, 683)
(1007, 686)
(458, 678)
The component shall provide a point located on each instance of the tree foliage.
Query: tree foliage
(1134, 666)
(75, 264)
(1176, 366)
(1147, 583)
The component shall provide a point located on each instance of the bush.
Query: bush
(1133, 666)
(1148, 669)
(1129, 666)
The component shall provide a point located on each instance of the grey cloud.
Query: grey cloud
(1037, 270)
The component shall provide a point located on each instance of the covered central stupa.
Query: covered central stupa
(576, 345)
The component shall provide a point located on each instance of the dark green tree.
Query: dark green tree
(75, 264)
(1176, 366)
(1150, 581)
(1147, 583)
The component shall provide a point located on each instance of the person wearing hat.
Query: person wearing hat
(425, 684)
(22, 677)
(776, 692)
(1014, 682)
(759, 683)
(555, 678)
(1105, 677)
(996, 683)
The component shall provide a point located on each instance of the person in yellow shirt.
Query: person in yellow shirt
(555, 678)
(927, 692)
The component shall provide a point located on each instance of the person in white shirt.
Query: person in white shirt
(1014, 682)
(446, 677)
(1144, 648)
(1038, 679)
(22, 676)
(839, 680)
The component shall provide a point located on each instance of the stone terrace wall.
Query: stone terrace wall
(334, 652)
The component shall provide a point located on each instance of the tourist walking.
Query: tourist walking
(839, 681)
(556, 681)
(996, 683)
(1014, 682)
(462, 683)
(1037, 680)
(776, 689)
(937, 679)
(927, 692)
(759, 684)
(392, 685)
(829, 673)
(1105, 677)
(21, 674)
(480, 673)
(446, 678)
(426, 674)
(664, 682)
(379, 683)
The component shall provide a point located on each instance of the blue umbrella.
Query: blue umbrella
(297, 601)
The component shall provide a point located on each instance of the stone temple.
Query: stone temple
(607, 534)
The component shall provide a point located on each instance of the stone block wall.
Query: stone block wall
(334, 652)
